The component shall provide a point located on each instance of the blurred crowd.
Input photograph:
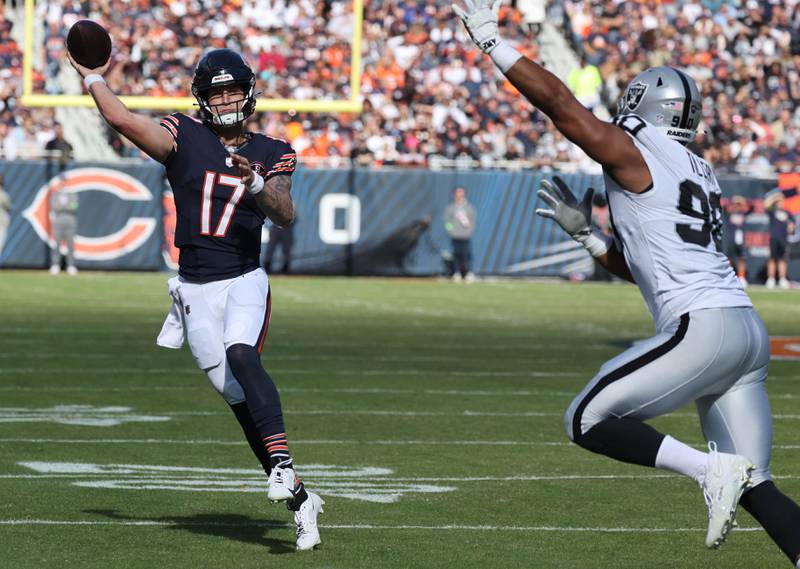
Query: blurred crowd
(429, 97)
(745, 56)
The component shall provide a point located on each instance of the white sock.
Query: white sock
(681, 458)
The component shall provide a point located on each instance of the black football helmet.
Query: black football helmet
(221, 67)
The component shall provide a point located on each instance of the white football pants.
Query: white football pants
(715, 357)
(220, 314)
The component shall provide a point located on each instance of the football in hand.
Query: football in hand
(89, 44)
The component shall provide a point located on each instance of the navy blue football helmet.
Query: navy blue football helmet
(218, 68)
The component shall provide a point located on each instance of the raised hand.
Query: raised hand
(480, 19)
(573, 217)
(84, 71)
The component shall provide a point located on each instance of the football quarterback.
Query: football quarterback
(226, 181)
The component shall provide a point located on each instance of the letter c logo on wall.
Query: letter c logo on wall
(111, 246)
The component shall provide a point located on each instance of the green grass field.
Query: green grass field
(427, 414)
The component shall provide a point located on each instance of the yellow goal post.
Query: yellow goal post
(351, 105)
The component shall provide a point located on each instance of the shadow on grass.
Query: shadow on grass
(230, 526)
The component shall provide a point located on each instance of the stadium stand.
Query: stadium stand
(429, 99)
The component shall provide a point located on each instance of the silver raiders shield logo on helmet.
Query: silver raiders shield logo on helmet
(634, 94)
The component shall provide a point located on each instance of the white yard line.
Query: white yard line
(202, 386)
(181, 524)
(294, 442)
(323, 442)
(466, 413)
(256, 476)
(349, 372)
(375, 412)
(531, 356)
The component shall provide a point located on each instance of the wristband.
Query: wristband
(596, 243)
(257, 186)
(92, 78)
(504, 56)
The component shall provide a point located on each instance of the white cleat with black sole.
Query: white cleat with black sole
(281, 483)
(306, 521)
(726, 478)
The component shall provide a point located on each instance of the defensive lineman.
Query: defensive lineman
(226, 181)
(711, 347)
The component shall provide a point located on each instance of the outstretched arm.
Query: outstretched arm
(143, 132)
(576, 220)
(603, 142)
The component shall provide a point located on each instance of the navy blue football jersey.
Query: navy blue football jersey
(219, 223)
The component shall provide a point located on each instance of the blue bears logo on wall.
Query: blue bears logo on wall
(634, 94)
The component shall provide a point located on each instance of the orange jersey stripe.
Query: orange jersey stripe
(170, 129)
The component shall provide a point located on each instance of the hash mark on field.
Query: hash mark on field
(159, 523)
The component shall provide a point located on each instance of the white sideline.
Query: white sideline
(28, 522)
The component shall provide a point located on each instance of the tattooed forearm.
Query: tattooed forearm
(276, 200)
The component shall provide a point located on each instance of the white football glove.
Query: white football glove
(573, 217)
(480, 19)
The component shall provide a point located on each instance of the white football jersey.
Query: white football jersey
(671, 235)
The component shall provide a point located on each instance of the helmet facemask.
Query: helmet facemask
(243, 109)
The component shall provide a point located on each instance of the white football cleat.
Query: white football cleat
(55, 269)
(726, 478)
(281, 482)
(306, 521)
(72, 271)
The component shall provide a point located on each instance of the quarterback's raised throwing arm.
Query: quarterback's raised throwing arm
(156, 141)
(139, 129)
